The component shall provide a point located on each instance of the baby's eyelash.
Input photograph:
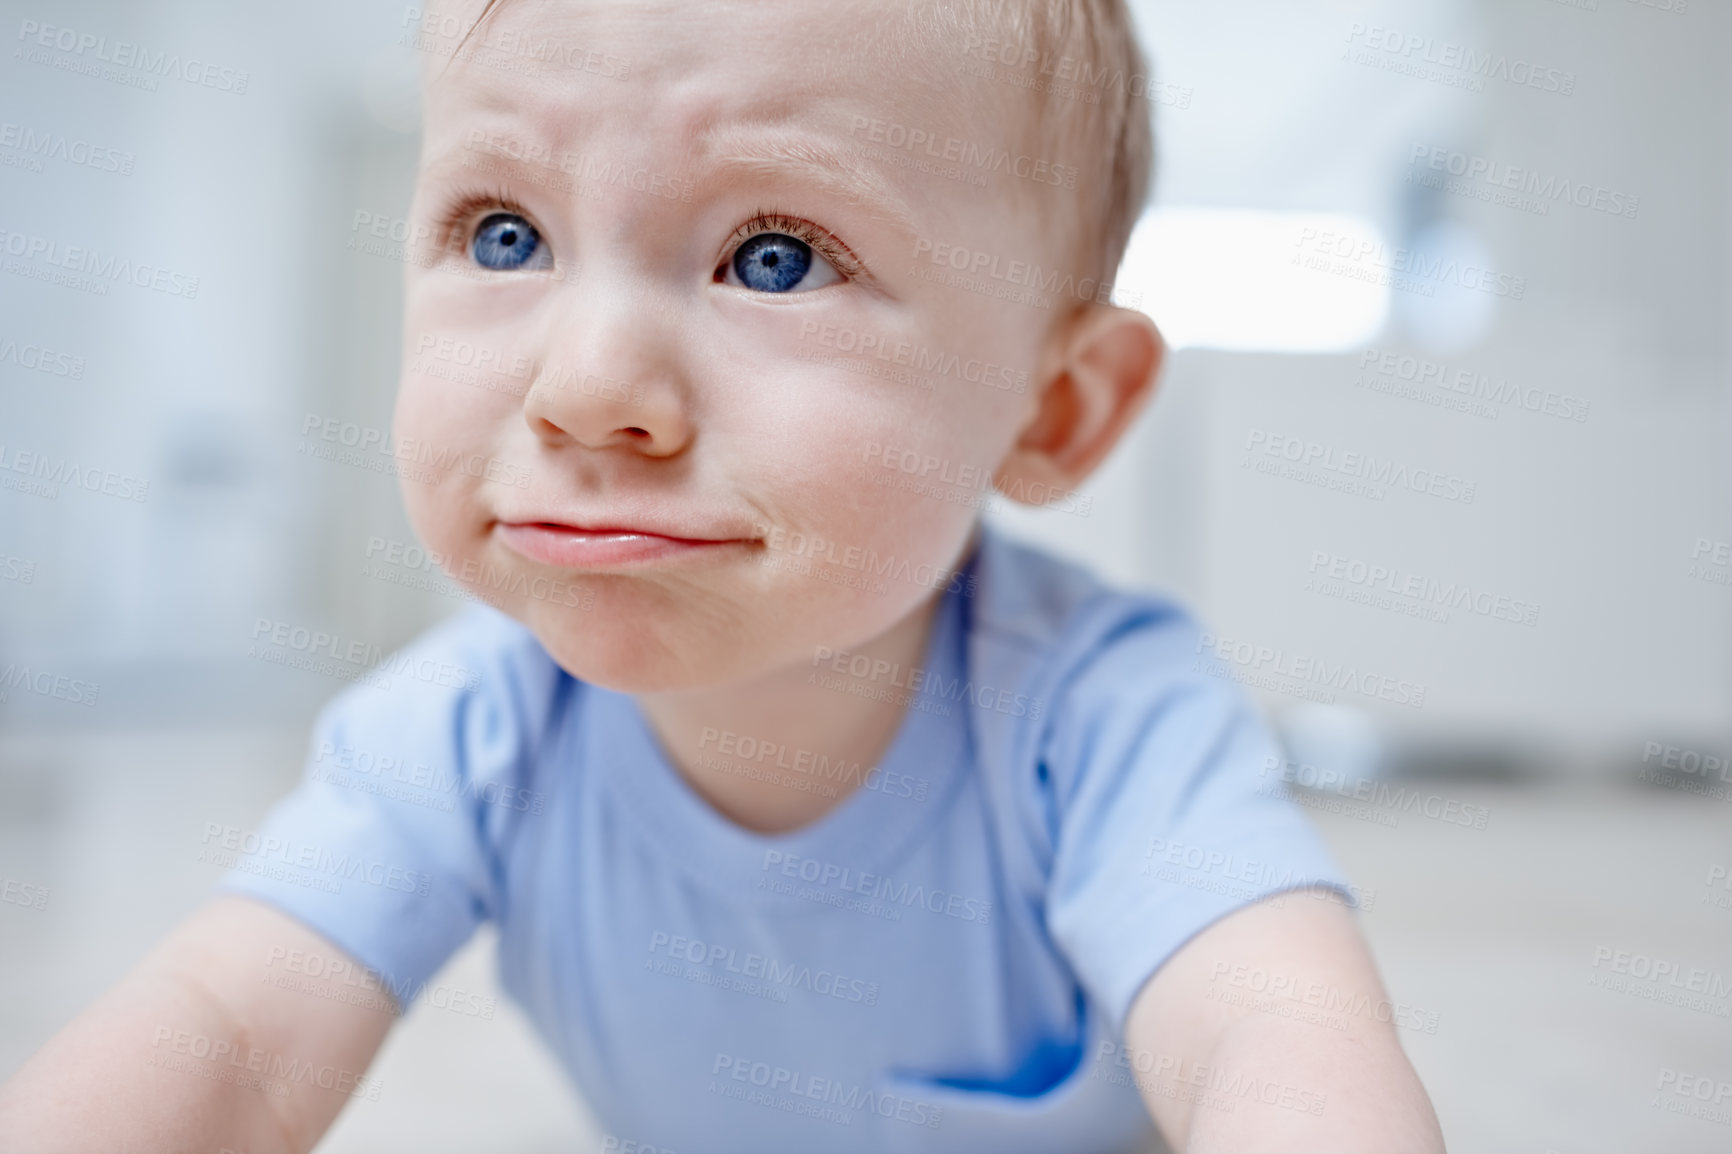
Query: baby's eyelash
(821, 239)
(462, 210)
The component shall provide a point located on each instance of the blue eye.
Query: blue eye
(506, 241)
(774, 262)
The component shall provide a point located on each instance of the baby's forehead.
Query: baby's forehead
(855, 102)
(686, 69)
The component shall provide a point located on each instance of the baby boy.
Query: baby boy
(814, 816)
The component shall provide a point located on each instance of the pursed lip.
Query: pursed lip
(609, 545)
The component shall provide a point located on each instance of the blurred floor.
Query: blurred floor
(1491, 935)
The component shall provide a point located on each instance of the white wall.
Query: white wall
(1594, 520)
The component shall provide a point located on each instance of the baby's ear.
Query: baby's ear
(1099, 370)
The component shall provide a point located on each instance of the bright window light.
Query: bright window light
(1257, 281)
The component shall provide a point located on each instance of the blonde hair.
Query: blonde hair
(1080, 64)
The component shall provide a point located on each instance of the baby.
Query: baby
(814, 816)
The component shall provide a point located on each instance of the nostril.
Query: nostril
(635, 431)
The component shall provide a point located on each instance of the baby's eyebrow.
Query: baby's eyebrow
(779, 152)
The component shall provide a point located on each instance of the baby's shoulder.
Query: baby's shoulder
(1051, 622)
(476, 678)
(1127, 730)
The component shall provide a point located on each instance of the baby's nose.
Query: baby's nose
(583, 402)
(600, 412)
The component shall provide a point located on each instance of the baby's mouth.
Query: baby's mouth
(599, 547)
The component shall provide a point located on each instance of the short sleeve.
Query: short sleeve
(1168, 817)
(391, 845)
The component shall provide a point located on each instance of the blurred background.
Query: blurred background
(1482, 243)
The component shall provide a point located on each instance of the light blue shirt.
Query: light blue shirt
(943, 962)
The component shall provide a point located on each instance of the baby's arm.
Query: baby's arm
(132, 1074)
(1283, 992)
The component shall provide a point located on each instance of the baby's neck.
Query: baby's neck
(719, 739)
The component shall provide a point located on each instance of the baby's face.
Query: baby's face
(664, 218)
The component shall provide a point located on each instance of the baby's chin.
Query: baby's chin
(629, 668)
(629, 648)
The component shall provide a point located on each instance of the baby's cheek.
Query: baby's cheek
(430, 431)
(435, 516)
(452, 407)
(916, 515)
